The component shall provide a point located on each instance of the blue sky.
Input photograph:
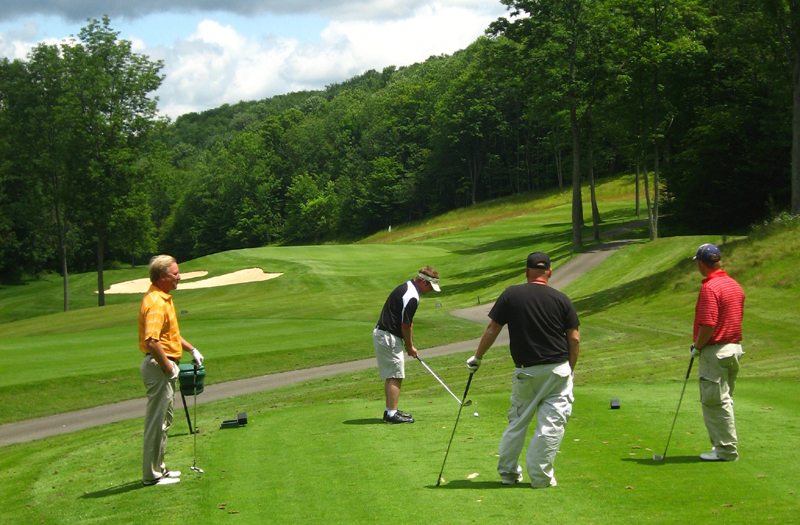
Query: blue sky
(253, 49)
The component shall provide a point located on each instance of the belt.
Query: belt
(522, 366)
(173, 359)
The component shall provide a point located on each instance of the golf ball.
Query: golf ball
(475, 414)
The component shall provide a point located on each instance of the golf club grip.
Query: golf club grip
(691, 361)
(468, 382)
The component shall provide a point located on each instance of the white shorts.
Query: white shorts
(389, 352)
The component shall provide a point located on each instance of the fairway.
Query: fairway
(319, 452)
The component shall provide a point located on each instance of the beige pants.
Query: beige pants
(719, 366)
(546, 391)
(157, 417)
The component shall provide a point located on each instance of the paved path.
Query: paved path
(33, 429)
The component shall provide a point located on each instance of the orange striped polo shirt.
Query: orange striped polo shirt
(157, 320)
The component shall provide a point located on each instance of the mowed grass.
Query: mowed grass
(317, 451)
(320, 311)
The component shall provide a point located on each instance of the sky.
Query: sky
(218, 52)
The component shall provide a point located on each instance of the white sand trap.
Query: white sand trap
(142, 285)
(249, 275)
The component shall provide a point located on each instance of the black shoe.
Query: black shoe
(397, 418)
(404, 414)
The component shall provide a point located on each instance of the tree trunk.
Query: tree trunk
(647, 199)
(796, 132)
(655, 193)
(558, 170)
(62, 242)
(595, 211)
(637, 188)
(577, 203)
(474, 165)
(62, 249)
(101, 298)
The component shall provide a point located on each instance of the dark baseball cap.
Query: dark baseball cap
(708, 253)
(538, 261)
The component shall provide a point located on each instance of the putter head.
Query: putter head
(656, 457)
(197, 469)
(467, 403)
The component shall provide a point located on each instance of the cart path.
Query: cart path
(33, 429)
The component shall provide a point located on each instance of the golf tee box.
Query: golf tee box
(240, 421)
(614, 404)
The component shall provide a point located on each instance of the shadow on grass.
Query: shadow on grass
(113, 491)
(557, 238)
(482, 485)
(366, 421)
(669, 459)
(671, 278)
(639, 288)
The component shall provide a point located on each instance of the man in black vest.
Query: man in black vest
(545, 342)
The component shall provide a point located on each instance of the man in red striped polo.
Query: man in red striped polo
(717, 342)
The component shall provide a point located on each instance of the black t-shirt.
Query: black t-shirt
(399, 309)
(538, 317)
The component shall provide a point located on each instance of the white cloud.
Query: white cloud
(218, 65)
(17, 44)
(223, 62)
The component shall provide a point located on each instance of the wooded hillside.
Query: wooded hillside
(698, 92)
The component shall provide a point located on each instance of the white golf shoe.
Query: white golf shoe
(161, 481)
(713, 456)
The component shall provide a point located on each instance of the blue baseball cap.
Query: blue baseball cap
(708, 253)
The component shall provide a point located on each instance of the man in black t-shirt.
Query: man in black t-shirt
(545, 342)
(393, 329)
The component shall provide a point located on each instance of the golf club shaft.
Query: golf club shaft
(440, 381)
(194, 463)
(439, 479)
(674, 419)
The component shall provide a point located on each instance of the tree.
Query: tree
(32, 175)
(468, 115)
(568, 45)
(106, 99)
(785, 15)
(49, 131)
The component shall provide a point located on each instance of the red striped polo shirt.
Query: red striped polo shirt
(721, 305)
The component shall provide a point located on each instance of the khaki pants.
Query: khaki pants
(719, 366)
(544, 390)
(157, 417)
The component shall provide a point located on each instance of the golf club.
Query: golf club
(439, 479)
(656, 457)
(194, 463)
(460, 402)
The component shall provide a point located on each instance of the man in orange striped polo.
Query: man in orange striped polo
(161, 342)
(717, 342)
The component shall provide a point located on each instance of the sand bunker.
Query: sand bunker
(249, 275)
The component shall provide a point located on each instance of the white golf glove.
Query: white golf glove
(197, 357)
(694, 351)
(473, 363)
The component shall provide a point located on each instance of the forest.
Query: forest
(701, 95)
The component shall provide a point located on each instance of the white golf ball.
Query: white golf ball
(475, 414)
